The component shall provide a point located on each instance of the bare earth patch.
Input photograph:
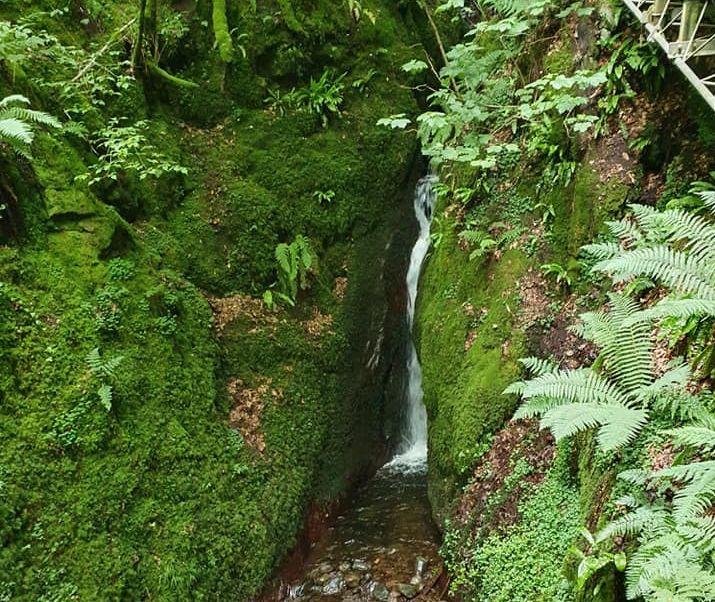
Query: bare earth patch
(318, 324)
(228, 309)
(520, 439)
(248, 405)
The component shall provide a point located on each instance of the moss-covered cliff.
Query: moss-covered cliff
(225, 418)
(505, 280)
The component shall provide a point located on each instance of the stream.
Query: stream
(385, 546)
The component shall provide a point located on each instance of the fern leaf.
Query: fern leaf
(708, 198)
(699, 437)
(536, 406)
(14, 99)
(674, 378)
(538, 366)
(632, 523)
(687, 472)
(674, 269)
(94, 361)
(105, 396)
(617, 425)
(14, 129)
(574, 386)
(679, 308)
(602, 251)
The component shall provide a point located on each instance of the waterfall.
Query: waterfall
(412, 450)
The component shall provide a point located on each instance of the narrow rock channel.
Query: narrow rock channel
(385, 547)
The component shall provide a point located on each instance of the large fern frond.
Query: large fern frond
(617, 425)
(708, 198)
(632, 523)
(679, 308)
(675, 378)
(12, 129)
(602, 250)
(625, 341)
(574, 386)
(674, 269)
(697, 436)
(687, 472)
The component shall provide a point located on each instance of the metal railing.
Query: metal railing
(685, 30)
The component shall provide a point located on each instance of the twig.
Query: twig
(93, 59)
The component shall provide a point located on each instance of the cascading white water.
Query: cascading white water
(412, 451)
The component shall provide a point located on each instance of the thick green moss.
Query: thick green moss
(466, 301)
(223, 37)
(158, 497)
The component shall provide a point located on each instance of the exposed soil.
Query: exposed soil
(480, 505)
(245, 415)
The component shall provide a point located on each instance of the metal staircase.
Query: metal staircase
(685, 29)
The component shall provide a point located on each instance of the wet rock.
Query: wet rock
(361, 565)
(322, 569)
(344, 566)
(335, 586)
(322, 578)
(379, 592)
(408, 590)
(420, 566)
(353, 579)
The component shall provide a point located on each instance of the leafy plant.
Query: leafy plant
(18, 123)
(674, 248)
(324, 196)
(560, 273)
(127, 149)
(614, 395)
(481, 243)
(361, 83)
(357, 11)
(670, 514)
(105, 372)
(322, 96)
(294, 262)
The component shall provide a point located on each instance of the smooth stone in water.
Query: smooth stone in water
(361, 565)
(344, 566)
(335, 586)
(353, 579)
(420, 565)
(379, 592)
(408, 590)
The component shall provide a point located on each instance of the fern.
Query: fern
(105, 372)
(672, 247)
(613, 400)
(676, 530)
(17, 123)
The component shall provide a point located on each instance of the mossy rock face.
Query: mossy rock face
(468, 348)
(164, 491)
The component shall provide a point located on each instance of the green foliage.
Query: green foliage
(18, 123)
(294, 260)
(123, 150)
(322, 96)
(357, 11)
(612, 399)
(670, 515)
(105, 372)
(522, 562)
(480, 100)
(559, 272)
(324, 197)
(674, 248)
